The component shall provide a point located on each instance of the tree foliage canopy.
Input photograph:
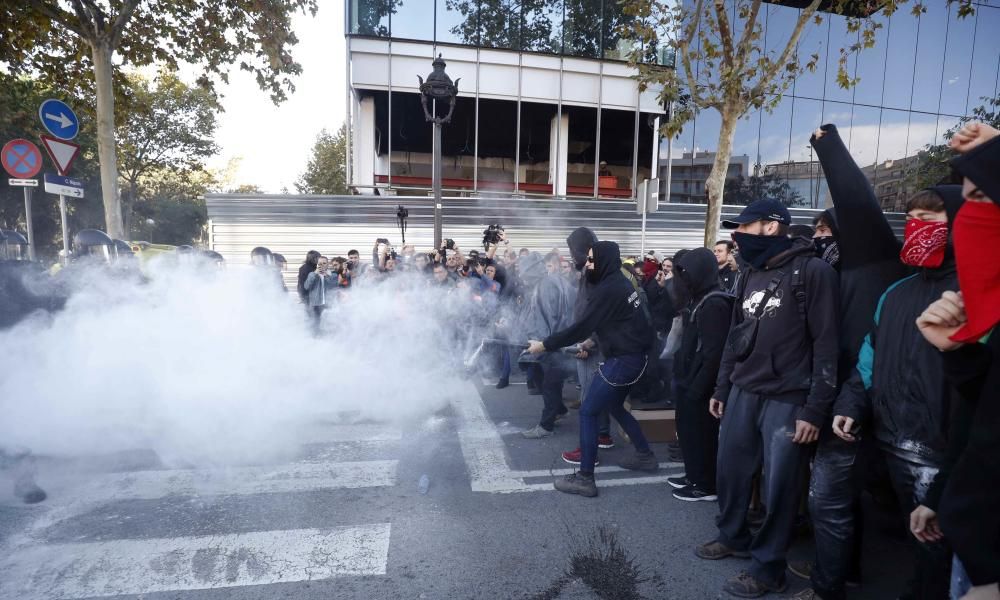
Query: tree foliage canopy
(52, 38)
(325, 173)
(744, 190)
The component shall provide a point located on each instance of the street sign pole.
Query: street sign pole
(641, 198)
(65, 228)
(27, 222)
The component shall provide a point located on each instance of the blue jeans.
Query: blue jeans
(603, 396)
(960, 584)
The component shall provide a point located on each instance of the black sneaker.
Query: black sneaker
(28, 491)
(577, 483)
(504, 382)
(693, 493)
(679, 482)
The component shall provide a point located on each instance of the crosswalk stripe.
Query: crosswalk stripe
(598, 470)
(286, 478)
(81, 570)
(327, 433)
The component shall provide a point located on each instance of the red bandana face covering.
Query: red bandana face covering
(924, 243)
(977, 227)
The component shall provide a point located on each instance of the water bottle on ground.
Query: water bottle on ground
(424, 484)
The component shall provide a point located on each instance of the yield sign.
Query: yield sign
(61, 152)
(21, 159)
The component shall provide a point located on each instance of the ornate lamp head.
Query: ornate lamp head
(438, 87)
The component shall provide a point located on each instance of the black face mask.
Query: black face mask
(593, 276)
(827, 249)
(680, 290)
(758, 249)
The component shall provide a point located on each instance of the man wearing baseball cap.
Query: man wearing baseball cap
(775, 387)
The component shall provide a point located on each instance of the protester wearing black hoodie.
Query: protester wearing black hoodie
(616, 313)
(855, 238)
(899, 377)
(966, 491)
(696, 366)
(774, 386)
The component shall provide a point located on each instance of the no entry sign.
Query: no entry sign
(21, 159)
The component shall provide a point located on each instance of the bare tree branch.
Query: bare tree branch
(725, 33)
(58, 15)
(793, 42)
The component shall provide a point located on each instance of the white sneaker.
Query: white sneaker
(536, 433)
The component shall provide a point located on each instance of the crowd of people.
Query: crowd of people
(806, 362)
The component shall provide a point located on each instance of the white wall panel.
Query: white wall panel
(581, 88)
(498, 57)
(537, 84)
(370, 70)
(618, 93)
(498, 81)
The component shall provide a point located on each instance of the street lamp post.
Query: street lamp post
(437, 87)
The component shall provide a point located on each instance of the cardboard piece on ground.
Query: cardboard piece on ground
(657, 425)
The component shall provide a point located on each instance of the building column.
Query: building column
(559, 154)
(364, 145)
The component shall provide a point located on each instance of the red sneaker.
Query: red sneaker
(574, 457)
(604, 442)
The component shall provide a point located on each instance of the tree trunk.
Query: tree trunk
(716, 182)
(106, 147)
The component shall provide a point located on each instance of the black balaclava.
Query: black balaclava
(828, 247)
(758, 249)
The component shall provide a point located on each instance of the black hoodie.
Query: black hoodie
(794, 358)
(706, 325)
(869, 250)
(614, 311)
(899, 371)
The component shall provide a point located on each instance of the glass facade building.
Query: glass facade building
(547, 103)
(922, 76)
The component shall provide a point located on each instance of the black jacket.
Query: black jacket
(706, 324)
(614, 310)
(794, 358)
(661, 308)
(727, 278)
(869, 251)
(898, 371)
(304, 272)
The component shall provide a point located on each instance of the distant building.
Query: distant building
(893, 181)
(806, 179)
(690, 170)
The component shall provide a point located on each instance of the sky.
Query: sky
(271, 144)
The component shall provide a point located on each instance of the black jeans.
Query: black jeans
(757, 431)
(316, 313)
(698, 434)
(911, 475)
(552, 379)
(835, 508)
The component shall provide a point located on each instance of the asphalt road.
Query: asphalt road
(346, 519)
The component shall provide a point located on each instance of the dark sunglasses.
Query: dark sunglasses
(590, 259)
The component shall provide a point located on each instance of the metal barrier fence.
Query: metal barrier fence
(295, 224)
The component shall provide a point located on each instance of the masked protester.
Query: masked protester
(580, 241)
(775, 386)
(616, 313)
(900, 375)
(959, 325)
(855, 238)
(696, 366)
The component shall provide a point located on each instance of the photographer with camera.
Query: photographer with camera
(382, 254)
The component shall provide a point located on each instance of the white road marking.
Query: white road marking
(598, 470)
(194, 563)
(291, 477)
(486, 455)
(330, 433)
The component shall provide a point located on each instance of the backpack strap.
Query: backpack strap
(798, 283)
(716, 294)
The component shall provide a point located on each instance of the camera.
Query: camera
(491, 235)
(449, 244)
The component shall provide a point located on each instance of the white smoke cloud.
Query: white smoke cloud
(215, 367)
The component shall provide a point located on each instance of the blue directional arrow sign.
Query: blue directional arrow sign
(59, 119)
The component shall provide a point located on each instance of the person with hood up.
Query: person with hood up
(696, 366)
(963, 327)
(615, 312)
(580, 241)
(776, 383)
(899, 377)
(864, 251)
(548, 307)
